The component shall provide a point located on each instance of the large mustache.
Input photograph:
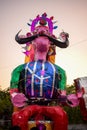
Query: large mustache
(33, 37)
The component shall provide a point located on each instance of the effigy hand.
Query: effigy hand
(73, 99)
(63, 36)
(18, 99)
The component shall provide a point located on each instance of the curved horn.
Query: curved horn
(24, 40)
(57, 42)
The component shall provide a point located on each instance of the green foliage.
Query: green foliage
(70, 89)
(5, 102)
(74, 115)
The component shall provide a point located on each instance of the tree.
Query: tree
(5, 102)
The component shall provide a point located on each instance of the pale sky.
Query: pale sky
(71, 16)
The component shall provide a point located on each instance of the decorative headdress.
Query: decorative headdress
(44, 21)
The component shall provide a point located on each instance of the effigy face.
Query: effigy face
(42, 44)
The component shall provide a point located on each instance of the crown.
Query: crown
(42, 20)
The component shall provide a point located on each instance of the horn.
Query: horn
(57, 42)
(24, 40)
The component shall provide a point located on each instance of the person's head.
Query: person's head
(15, 128)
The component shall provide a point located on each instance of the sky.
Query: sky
(71, 17)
